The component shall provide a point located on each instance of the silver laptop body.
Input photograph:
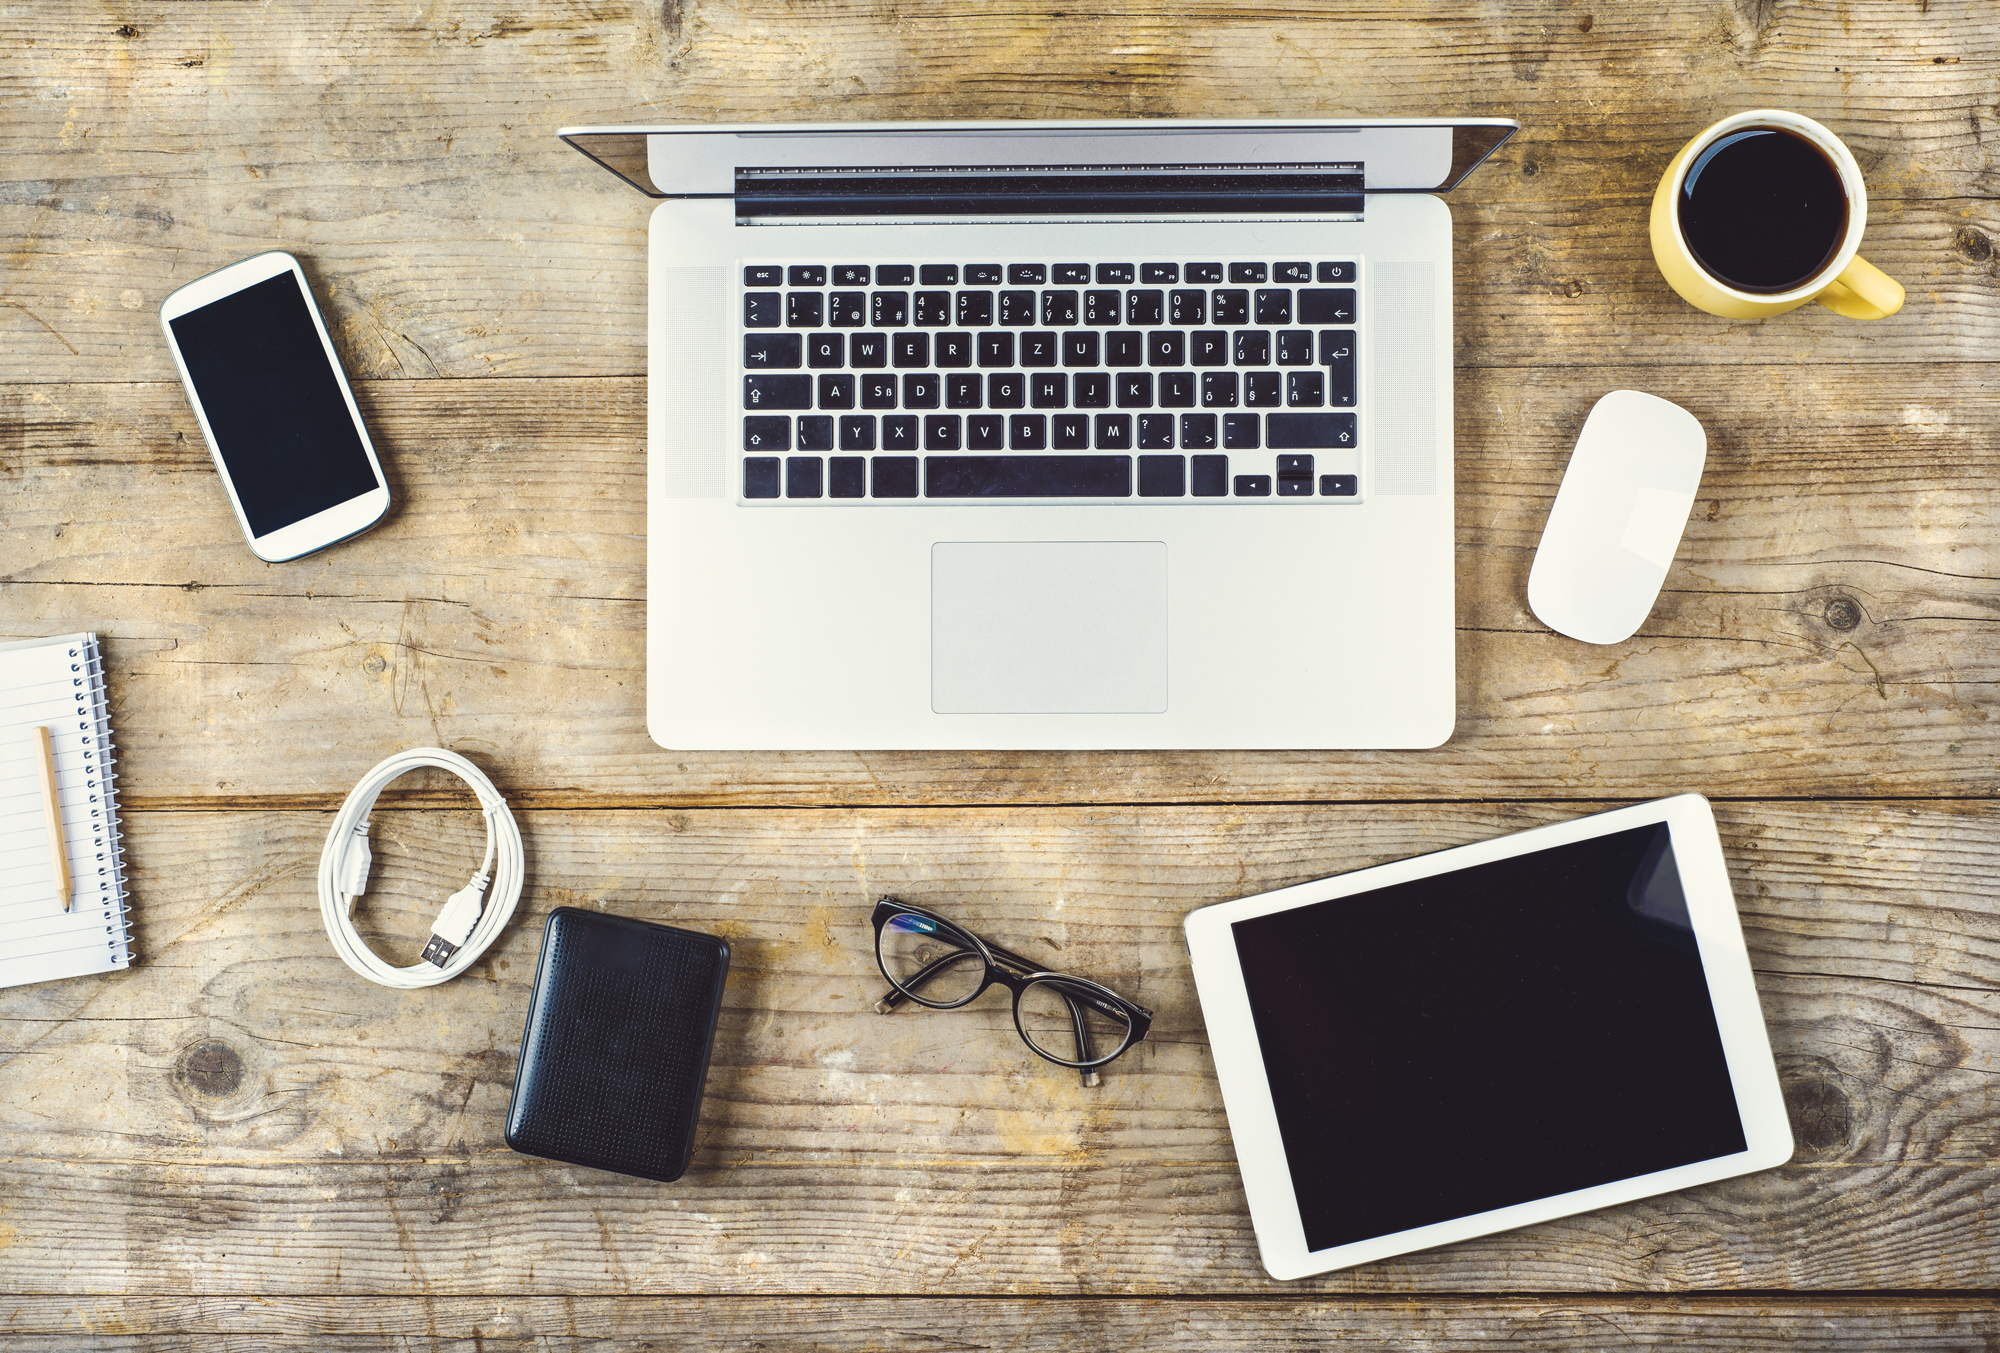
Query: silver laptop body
(1049, 435)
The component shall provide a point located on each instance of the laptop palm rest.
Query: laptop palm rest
(1040, 627)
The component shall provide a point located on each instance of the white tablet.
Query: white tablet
(1488, 1037)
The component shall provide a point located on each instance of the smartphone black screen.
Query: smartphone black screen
(1516, 1030)
(273, 404)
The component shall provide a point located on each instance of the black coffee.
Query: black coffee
(1763, 209)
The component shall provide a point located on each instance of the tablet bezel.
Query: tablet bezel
(1246, 1091)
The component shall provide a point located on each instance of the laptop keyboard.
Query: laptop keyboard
(947, 382)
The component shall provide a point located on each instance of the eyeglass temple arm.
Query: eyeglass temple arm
(1088, 1075)
(895, 996)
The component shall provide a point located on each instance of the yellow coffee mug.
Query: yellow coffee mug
(1847, 285)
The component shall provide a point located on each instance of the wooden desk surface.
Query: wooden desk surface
(237, 1143)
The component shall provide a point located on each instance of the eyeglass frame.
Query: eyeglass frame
(1001, 965)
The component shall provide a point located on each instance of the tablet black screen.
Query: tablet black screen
(1487, 1037)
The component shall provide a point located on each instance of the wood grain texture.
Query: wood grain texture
(1834, 595)
(238, 1112)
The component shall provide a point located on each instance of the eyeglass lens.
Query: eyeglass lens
(1058, 1025)
(929, 961)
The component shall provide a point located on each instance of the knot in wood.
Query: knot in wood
(1973, 245)
(126, 30)
(1822, 1117)
(1842, 613)
(373, 663)
(211, 1069)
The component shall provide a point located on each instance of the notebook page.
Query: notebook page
(58, 684)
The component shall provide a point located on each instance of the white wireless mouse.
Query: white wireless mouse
(1617, 518)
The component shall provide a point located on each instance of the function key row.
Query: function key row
(1018, 309)
(1037, 274)
(1031, 477)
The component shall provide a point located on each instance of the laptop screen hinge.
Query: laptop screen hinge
(1097, 191)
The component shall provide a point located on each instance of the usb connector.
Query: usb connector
(454, 924)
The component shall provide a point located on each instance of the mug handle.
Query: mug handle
(1862, 291)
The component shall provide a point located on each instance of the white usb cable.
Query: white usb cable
(469, 921)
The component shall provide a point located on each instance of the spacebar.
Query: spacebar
(1027, 476)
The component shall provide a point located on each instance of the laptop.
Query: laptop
(1049, 435)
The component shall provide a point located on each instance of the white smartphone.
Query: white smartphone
(275, 407)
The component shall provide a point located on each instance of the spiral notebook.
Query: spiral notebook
(58, 684)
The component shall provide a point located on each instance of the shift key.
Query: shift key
(1300, 431)
(777, 392)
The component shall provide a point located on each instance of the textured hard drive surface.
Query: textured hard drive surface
(616, 1048)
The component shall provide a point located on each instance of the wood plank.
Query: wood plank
(1834, 597)
(239, 1113)
(451, 234)
(562, 1324)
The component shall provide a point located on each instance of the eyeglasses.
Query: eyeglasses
(1066, 1020)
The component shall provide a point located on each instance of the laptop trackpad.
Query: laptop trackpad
(1038, 627)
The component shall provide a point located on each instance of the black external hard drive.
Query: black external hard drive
(617, 1043)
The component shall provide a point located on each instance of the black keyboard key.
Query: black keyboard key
(1177, 389)
(982, 274)
(1027, 274)
(878, 392)
(767, 434)
(804, 309)
(763, 309)
(893, 476)
(941, 432)
(889, 309)
(1295, 347)
(1079, 349)
(1231, 307)
(1135, 390)
(1336, 272)
(954, 349)
(1197, 432)
(1262, 389)
(1159, 272)
(1240, 431)
(1302, 431)
(910, 350)
(815, 432)
(1162, 477)
(1295, 488)
(771, 352)
(777, 392)
(1156, 432)
(1187, 307)
(1274, 305)
(1334, 306)
(1006, 390)
(1209, 476)
(1252, 348)
(938, 275)
(1070, 432)
(1078, 273)
(868, 351)
(1114, 432)
(857, 432)
(1017, 308)
(805, 275)
(1291, 272)
(1146, 307)
(986, 432)
(763, 275)
(1124, 347)
(802, 476)
(1101, 307)
(899, 432)
(962, 389)
(1253, 486)
(847, 477)
(920, 390)
(1305, 389)
(975, 308)
(932, 309)
(1336, 354)
(1208, 347)
(1091, 389)
(894, 275)
(1027, 476)
(1218, 390)
(1204, 272)
(760, 477)
(1108, 273)
(1339, 485)
(1248, 272)
(1048, 390)
(1028, 432)
(1038, 348)
(996, 350)
(1295, 466)
(847, 309)
(1059, 309)
(826, 351)
(850, 275)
